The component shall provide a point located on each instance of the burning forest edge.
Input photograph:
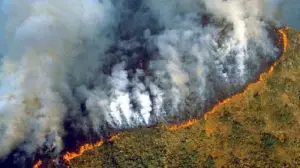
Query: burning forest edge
(67, 156)
(73, 79)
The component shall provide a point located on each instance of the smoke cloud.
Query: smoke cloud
(94, 66)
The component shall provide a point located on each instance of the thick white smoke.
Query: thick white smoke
(44, 41)
(120, 64)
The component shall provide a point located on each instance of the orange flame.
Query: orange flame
(68, 156)
(37, 164)
(284, 38)
(284, 42)
(112, 138)
(182, 125)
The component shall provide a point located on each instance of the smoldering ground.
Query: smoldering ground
(73, 70)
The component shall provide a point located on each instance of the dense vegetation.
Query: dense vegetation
(260, 128)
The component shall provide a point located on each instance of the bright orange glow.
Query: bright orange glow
(283, 41)
(284, 38)
(68, 156)
(112, 138)
(37, 164)
(182, 125)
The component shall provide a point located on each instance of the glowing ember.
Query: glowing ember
(182, 125)
(284, 38)
(112, 138)
(37, 164)
(68, 156)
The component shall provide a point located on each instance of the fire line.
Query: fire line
(284, 42)
(37, 164)
(68, 156)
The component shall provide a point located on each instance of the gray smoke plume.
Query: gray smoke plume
(108, 64)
